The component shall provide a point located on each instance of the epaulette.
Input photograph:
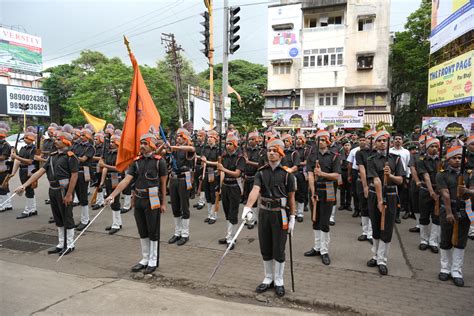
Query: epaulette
(421, 158)
(469, 171)
(70, 153)
(264, 166)
(53, 153)
(138, 158)
(156, 156)
(442, 170)
(285, 168)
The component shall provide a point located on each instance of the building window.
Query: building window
(309, 100)
(335, 20)
(368, 99)
(323, 57)
(279, 102)
(365, 62)
(366, 24)
(328, 99)
(281, 69)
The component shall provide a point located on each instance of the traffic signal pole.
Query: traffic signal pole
(225, 62)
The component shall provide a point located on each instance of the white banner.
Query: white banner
(340, 119)
(284, 42)
(20, 51)
(36, 99)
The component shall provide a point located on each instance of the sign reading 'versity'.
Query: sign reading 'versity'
(20, 52)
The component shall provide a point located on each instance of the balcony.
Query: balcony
(310, 4)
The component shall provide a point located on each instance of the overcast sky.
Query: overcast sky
(69, 26)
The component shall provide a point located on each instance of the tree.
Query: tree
(250, 81)
(409, 62)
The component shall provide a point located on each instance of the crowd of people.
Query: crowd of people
(279, 178)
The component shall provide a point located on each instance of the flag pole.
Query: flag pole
(127, 43)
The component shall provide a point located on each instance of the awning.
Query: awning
(375, 118)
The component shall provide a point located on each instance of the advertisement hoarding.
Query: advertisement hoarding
(340, 119)
(20, 52)
(13, 96)
(449, 20)
(284, 25)
(450, 83)
(293, 118)
(448, 126)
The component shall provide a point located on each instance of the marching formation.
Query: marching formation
(279, 178)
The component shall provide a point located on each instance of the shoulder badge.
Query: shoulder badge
(469, 171)
(285, 168)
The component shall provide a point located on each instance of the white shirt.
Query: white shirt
(352, 157)
(404, 157)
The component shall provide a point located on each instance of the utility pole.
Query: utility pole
(172, 49)
(225, 63)
(209, 53)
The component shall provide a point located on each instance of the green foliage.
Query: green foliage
(250, 81)
(409, 62)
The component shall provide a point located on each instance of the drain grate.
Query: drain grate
(30, 242)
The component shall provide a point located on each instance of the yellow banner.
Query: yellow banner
(98, 123)
(450, 83)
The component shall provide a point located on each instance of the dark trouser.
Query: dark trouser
(447, 228)
(196, 178)
(427, 208)
(3, 175)
(364, 211)
(62, 214)
(209, 189)
(128, 190)
(115, 206)
(271, 236)
(230, 202)
(346, 188)
(404, 195)
(355, 176)
(376, 216)
(414, 197)
(179, 196)
(95, 179)
(29, 192)
(323, 212)
(148, 220)
(81, 189)
(301, 195)
(248, 185)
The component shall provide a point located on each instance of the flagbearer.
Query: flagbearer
(276, 188)
(62, 171)
(180, 184)
(149, 173)
(112, 177)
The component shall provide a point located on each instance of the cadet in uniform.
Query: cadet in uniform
(233, 166)
(84, 150)
(210, 182)
(276, 188)
(301, 195)
(149, 173)
(112, 177)
(180, 184)
(381, 196)
(252, 156)
(200, 145)
(454, 212)
(25, 161)
(426, 167)
(345, 194)
(470, 166)
(324, 169)
(416, 183)
(62, 172)
(99, 147)
(5, 168)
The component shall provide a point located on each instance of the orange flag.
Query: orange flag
(142, 114)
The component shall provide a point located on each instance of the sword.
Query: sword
(219, 263)
(82, 232)
(11, 197)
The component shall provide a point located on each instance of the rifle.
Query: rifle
(454, 237)
(438, 169)
(315, 197)
(37, 164)
(221, 176)
(385, 183)
(11, 164)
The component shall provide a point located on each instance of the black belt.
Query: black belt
(269, 203)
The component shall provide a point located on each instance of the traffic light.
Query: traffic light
(205, 33)
(233, 29)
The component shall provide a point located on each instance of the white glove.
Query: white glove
(291, 224)
(247, 214)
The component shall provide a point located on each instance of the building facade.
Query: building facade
(342, 62)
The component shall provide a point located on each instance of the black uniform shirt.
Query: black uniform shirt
(303, 152)
(48, 146)
(376, 163)
(147, 171)
(233, 162)
(184, 160)
(61, 165)
(428, 165)
(199, 151)
(470, 160)
(343, 157)
(211, 154)
(111, 158)
(329, 163)
(27, 152)
(274, 183)
(292, 158)
(5, 149)
(253, 154)
(84, 149)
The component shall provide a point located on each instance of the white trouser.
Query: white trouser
(471, 230)
(202, 198)
(30, 205)
(152, 261)
(116, 219)
(70, 238)
(85, 214)
(230, 232)
(366, 227)
(127, 202)
(9, 203)
(100, 198)
(382, 252)
(3, 198)
(445, 260)
(417, 216)
(333, 214)
(317, 240)
(325, 238)
(145, 243)
(177, 226)
(279, 269)
(424, 234)
(209, 210)
(185, 227)
(458, 260)
(268, 271)
(60, 238)
(434, 235)
(375, 248)
(76, 199)
(299, 209)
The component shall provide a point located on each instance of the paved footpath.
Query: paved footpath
(347, 286)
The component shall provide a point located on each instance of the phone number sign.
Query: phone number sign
(38, 102)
